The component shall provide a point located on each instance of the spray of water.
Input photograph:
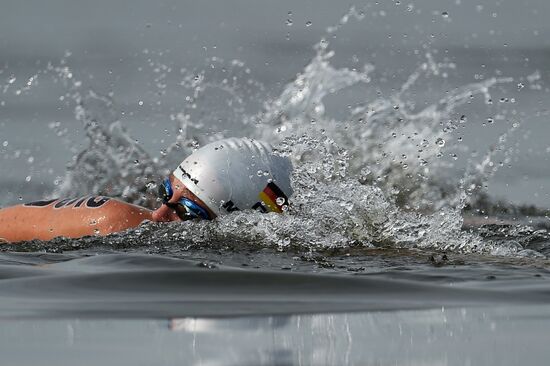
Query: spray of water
(371, 178)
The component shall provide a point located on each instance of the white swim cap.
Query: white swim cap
(237, 174)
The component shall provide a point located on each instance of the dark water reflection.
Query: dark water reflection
(134, 285)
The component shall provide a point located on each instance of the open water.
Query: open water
(417, 233)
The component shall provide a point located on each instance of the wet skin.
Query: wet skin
(75, 218)
(82, 217)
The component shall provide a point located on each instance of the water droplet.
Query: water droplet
(490, 120)
(445, 14)
(5, 143)
(521, 86)
(28, 178)
(289, 22)
(463, 119)
(440, 142)
(347, 205)
(280, 201)
(140, 103)
(260, 173)
(20, 198)
(308, 23)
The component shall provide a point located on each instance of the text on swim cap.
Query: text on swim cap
(230, 206)
(196, 181)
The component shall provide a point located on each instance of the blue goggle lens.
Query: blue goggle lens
(185, 208)
(191, 209)
(165, 191)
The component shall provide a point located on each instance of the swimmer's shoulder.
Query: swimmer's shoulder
(115, 213)
(69, 217)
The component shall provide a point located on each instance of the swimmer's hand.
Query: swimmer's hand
(4, 241)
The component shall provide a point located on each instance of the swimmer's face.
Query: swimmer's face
(166, 214)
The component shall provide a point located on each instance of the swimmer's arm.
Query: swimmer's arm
(73, 218)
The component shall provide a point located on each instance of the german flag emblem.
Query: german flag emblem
(273, 198)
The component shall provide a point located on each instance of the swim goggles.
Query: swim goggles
(185, 208)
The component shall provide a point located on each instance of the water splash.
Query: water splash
(370, 178)
(118, 165)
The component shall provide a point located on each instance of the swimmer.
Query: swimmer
(221, 177)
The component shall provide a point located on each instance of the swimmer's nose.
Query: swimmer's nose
(164, 214)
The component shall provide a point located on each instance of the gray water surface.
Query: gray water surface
(146, 286)
(148, 299)
(500, 335)
(136, 309)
